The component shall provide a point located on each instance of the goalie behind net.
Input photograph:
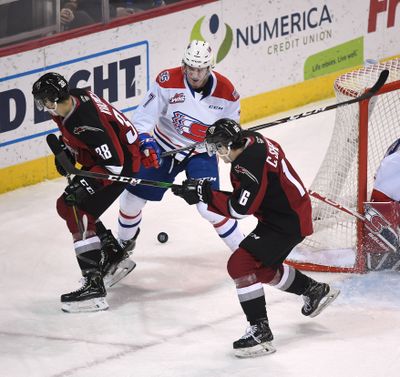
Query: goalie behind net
(335, 244)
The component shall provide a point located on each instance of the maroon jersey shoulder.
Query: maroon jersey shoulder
(99, 133)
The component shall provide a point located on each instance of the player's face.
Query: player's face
(49, 105)
(225, 154)
(220, 150)
(197, 77)
(46, 105)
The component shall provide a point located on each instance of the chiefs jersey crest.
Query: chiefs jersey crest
(241, 170)
(78, 130)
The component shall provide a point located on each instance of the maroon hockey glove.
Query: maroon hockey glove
(194, 191)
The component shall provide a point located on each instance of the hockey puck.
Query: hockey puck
(162, 237)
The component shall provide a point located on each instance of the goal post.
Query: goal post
(361, 135)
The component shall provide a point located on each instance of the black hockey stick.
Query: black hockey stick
(65, 162)
(391, 239)
(366, 95)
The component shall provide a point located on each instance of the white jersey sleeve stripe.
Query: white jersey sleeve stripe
(114, 169)
(165, 139)
(234, 214)
(293, 179)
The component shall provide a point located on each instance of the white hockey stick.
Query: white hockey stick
(366, 95)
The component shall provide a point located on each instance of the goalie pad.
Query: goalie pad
(383, 219)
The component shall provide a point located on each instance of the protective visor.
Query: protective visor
(39, 103)
(218, 147)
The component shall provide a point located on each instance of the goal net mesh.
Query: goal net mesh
(334, 242)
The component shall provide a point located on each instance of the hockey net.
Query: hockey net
(361, 135)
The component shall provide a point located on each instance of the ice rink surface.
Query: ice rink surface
(177, 313)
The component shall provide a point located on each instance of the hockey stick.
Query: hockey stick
(82, 225)
(375, 234)
(63, 159)
(366, 95)
(377, 231)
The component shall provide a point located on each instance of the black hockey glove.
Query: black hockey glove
(79, 190)
(194, 191)
(71, 157)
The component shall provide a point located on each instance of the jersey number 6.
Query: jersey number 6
(244, 197)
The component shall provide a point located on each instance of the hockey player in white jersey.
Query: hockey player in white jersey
(176, 112)
(385, 200)
(387, 178)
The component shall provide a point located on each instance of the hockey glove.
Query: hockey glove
(194, 191)
(79, 190)
(71, 157)
(150, 151)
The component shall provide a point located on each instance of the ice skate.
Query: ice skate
(118, 264)
(317, 297)
(255, 342)
(89, 298)
(118, 271)
(129, 245)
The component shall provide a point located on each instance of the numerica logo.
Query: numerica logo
(381, 6)
(226, 44)
(267, 30)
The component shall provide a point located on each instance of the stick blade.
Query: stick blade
(380, 82)
(54, 144)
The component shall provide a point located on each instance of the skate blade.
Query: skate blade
(121, 270)
(265, 348)
(326, 301)
(92, 305)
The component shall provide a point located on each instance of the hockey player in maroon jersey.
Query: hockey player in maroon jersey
(101, 139)
(266, 186)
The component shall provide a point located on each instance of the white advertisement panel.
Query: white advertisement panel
(119, 74)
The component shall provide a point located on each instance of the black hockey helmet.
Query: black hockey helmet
(52, 87)
(223, 133)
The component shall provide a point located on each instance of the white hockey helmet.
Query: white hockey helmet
(198, 54)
